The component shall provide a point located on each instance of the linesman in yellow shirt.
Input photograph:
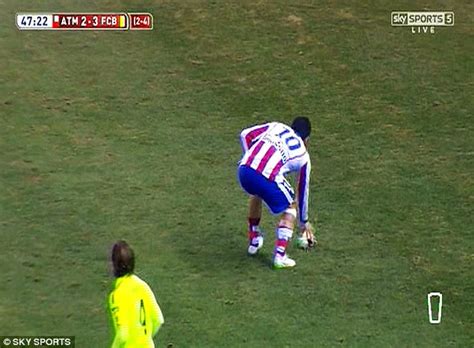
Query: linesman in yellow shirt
(135, 313)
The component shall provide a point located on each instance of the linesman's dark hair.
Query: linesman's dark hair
(123, 259)
(302, 126)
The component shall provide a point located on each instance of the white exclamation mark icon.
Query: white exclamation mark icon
(432, 296)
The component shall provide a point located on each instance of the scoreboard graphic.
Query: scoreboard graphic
(84, 21)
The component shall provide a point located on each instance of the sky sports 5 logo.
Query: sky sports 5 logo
(422, 22)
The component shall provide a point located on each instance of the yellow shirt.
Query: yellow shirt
(136, 315)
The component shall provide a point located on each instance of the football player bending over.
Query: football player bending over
(271, 151)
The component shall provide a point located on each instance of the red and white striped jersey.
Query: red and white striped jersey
(274, 149)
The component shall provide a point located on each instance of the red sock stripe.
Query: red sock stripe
(281, 243)
(252, 235)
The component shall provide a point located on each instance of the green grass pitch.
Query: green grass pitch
(134, 135)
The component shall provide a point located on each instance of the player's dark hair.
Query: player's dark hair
(302, 126)
(123, 259)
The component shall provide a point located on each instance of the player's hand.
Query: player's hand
(307, 232)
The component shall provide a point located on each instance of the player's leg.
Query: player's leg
(284, 232)
(251, 182)
(255, 235)
(255, 212)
